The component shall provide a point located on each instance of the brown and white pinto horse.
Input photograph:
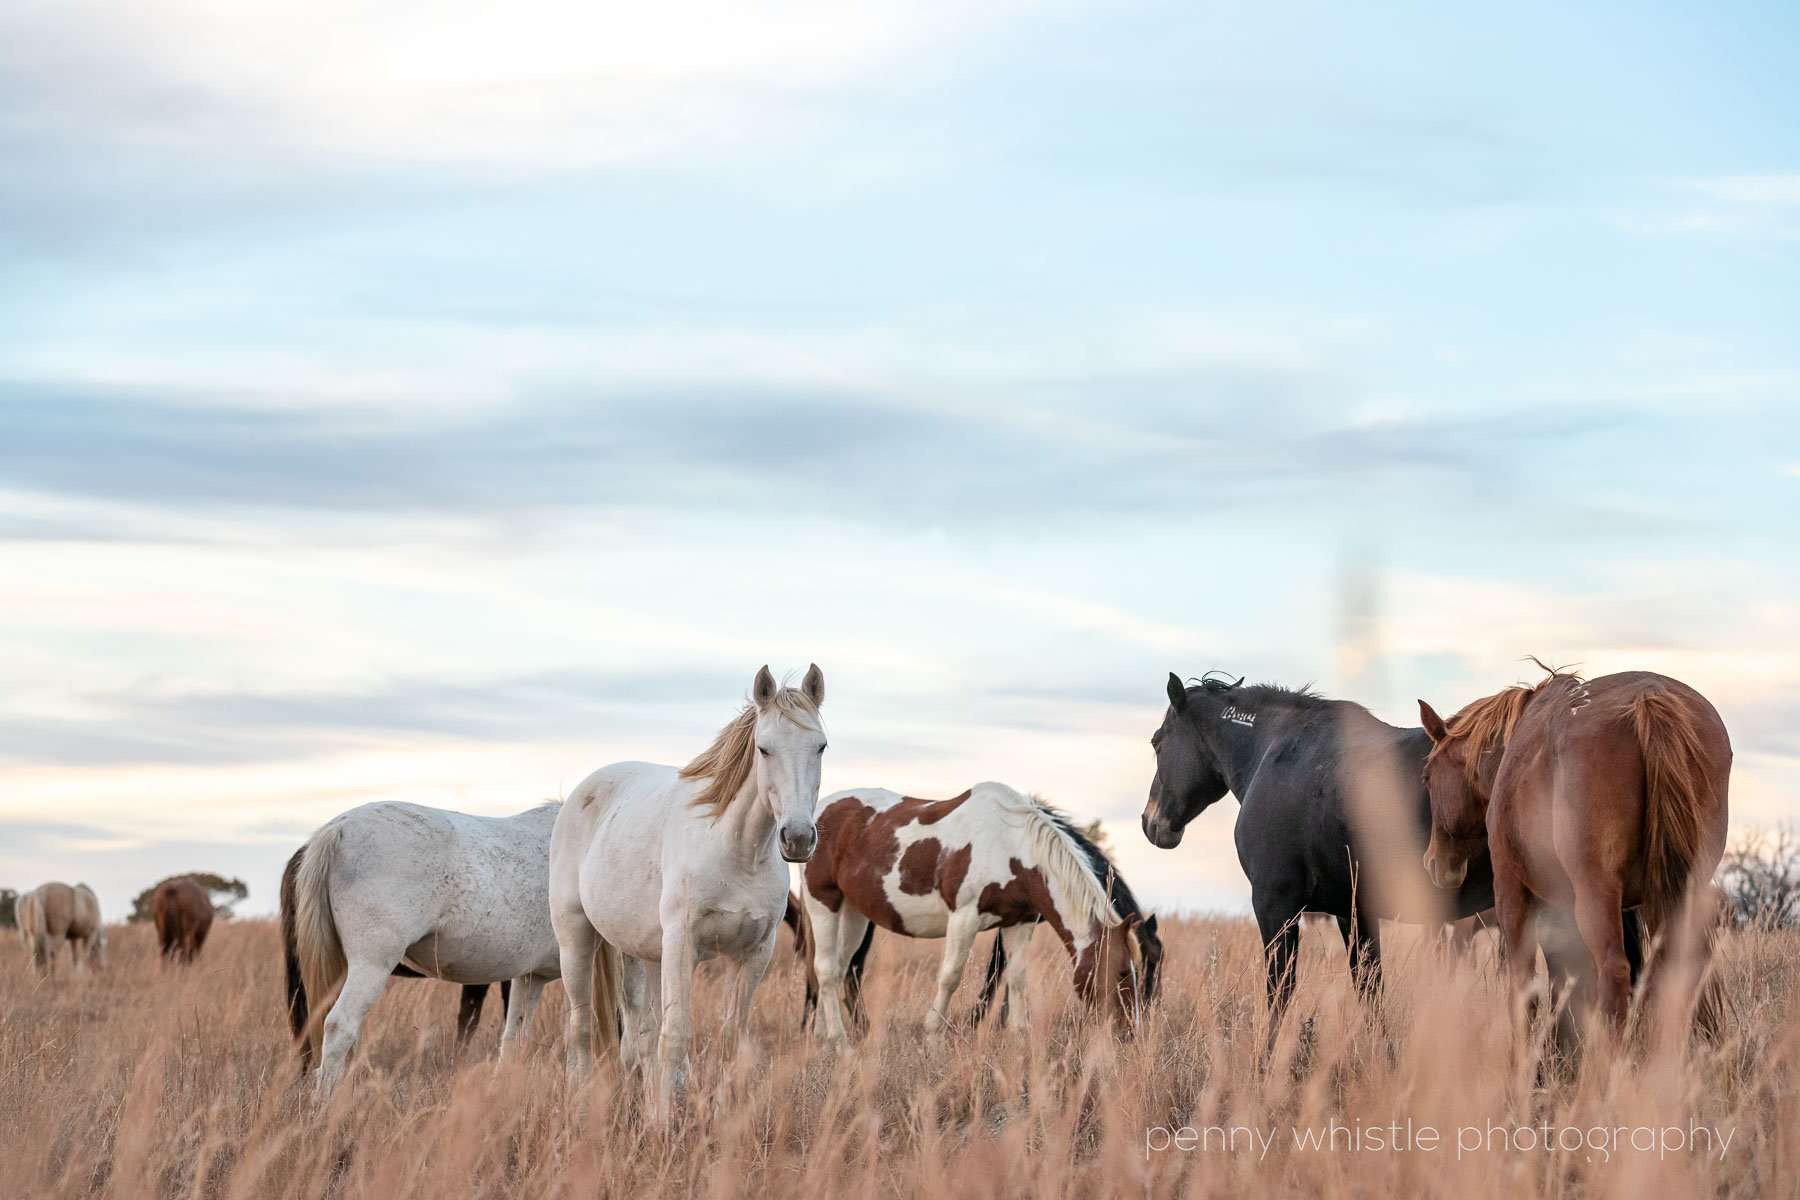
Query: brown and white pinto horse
(1592, 797)
(183, 912)
(989, 858)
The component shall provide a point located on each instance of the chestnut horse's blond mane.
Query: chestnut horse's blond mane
(1487, 724)
(727, 763)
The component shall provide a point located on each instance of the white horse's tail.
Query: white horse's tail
(33, 928)
(609, 994)
(321, 954)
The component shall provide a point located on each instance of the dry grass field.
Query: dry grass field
(151, 1081)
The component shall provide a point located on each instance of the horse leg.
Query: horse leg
(959, 935)
(1278, 919)
(363, 985)
(468, 1011)
(641, 989)
(853, 973)
(828, 966)
(1514, 910)
(1016, 939)
(750, 972)
(677, 1016)
(1362, 941)
(525, 990)
(1631, 921)
(1602, 931)
(576, 943)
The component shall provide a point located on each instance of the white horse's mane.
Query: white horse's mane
(727, 763)
(1066, 865)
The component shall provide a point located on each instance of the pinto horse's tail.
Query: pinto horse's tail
(1676, 785)
(316, 944)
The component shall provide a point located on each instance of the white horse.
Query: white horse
(454, 896)
(671, 867)
(53, 915)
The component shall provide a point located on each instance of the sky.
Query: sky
(438, 402)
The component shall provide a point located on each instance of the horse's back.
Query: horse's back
(465, 893)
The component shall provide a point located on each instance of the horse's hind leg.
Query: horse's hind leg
(1362, 940)
(576, 943)
(468, 1012)
(1017, 940)
(959, 935)
(1278, 918)
(1597, 916)
(641, 988)
(525, 992)
(363, 985)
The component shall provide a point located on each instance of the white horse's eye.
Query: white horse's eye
(763, 750)
(821, 749)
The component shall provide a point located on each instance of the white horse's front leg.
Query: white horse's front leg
(751, 970)
(959, 935)
(677, 1015)
(526, 990)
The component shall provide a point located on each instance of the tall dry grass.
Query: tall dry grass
(153, 1081)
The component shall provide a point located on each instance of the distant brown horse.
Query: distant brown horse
(55, 915)
(468, 1013)
(183, 912)
(1591, 797)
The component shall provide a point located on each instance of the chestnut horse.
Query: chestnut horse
(989, 858)
(183, 912)
(1589, 797)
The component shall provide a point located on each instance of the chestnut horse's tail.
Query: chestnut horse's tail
(1676, 786)
(321, 954)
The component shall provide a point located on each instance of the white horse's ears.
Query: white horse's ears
(763, 690)
(814, 685)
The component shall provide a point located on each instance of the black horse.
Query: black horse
(1333, 815)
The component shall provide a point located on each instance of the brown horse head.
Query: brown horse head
(1459, 775)
(1108, 972)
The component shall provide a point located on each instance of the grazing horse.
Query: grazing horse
(468, 1013)
(54, 915)
(1588, 797)
(1332, 815)
(453, 896)
(183, 912)
(989, 858)
(654, 869)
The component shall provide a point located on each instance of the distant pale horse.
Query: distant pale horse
(654, 869)
(452, 896)
(56, 915)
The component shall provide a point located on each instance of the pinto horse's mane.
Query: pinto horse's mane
(1065, 854)
(1124, 903)
(1487, 724)
(727, 763)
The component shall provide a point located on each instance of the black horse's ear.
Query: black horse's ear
(1150, 923)
(1434, 724)
(1177, 692)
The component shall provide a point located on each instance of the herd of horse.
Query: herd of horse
(1583, 818)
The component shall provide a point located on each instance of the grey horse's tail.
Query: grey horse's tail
(321, 954)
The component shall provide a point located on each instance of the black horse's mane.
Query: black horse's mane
(1220, 684)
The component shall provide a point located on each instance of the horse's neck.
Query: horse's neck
(1241, 751)
(747, 824)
